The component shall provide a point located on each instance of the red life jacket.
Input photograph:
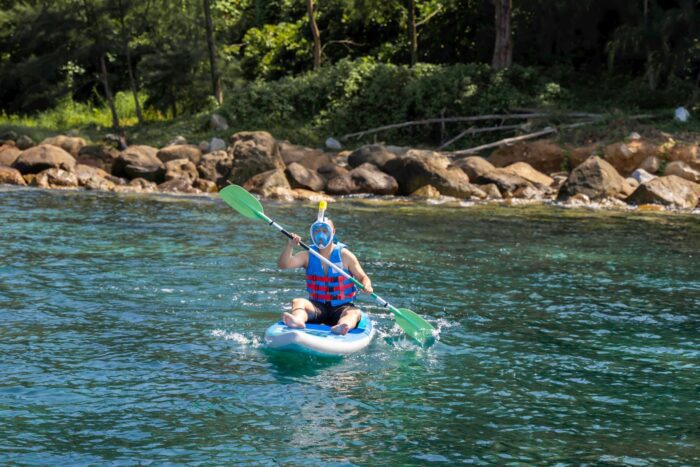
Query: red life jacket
(329, 286)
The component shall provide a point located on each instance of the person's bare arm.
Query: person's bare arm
(289, 261)
(353, 265)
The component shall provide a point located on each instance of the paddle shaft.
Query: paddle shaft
(328, 263)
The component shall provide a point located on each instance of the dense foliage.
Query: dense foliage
(641, 53)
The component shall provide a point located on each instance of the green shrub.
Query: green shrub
(352, 96)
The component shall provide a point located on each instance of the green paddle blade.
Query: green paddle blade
(414, 326)
(242, 201)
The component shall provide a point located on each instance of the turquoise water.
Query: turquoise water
(132, 333)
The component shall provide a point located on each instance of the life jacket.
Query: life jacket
(329, 286)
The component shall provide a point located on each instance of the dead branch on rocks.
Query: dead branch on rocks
(508, 141)
(473, 130)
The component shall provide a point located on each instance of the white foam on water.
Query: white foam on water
(237, 337)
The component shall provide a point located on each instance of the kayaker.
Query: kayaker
(330, 294)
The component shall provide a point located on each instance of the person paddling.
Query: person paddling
(330, 294)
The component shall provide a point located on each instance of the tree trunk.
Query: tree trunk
(108, 93)
(503, 47)
(215, 77)
(130, 68)
(412, 33)
(315, 32)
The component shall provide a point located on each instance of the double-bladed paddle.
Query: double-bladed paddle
(249, 206)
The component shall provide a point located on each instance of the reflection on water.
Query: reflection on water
(132, 332)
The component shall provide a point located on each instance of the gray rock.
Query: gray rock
(334, 144)
(217, 144)
(642, 176)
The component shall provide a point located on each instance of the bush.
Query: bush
(352, 96)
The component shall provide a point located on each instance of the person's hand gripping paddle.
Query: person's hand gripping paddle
(247, 205)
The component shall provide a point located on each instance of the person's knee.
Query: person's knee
(352, 313)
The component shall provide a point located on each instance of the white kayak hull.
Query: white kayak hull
(317, 339)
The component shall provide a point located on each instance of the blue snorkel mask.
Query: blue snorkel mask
(321, 231)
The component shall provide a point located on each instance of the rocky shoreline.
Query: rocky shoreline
(629, 174)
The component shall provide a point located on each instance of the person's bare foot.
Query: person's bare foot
(292, 321)
(340, 329)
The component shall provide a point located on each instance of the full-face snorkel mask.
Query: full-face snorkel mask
(321, 231)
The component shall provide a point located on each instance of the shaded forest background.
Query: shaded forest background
(308, 69)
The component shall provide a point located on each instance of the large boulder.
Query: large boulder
(72, 145)
(627, 157)
(669, 190)
(39, 158)
(595, 178)
(11, 176)
(474, 166)
(544, 155)
(253, 153)
(419, 168)
(525, 170)
(98, 155)
(267, 183)
(367, 178)
(215, 167)
(375, 154)
(180, 168)
(683, 170)
(301, 177)
(180, 151)
(139, 162)
(9, 154)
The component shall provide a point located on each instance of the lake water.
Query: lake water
(131, 332)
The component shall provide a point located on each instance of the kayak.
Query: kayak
(317, 339)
